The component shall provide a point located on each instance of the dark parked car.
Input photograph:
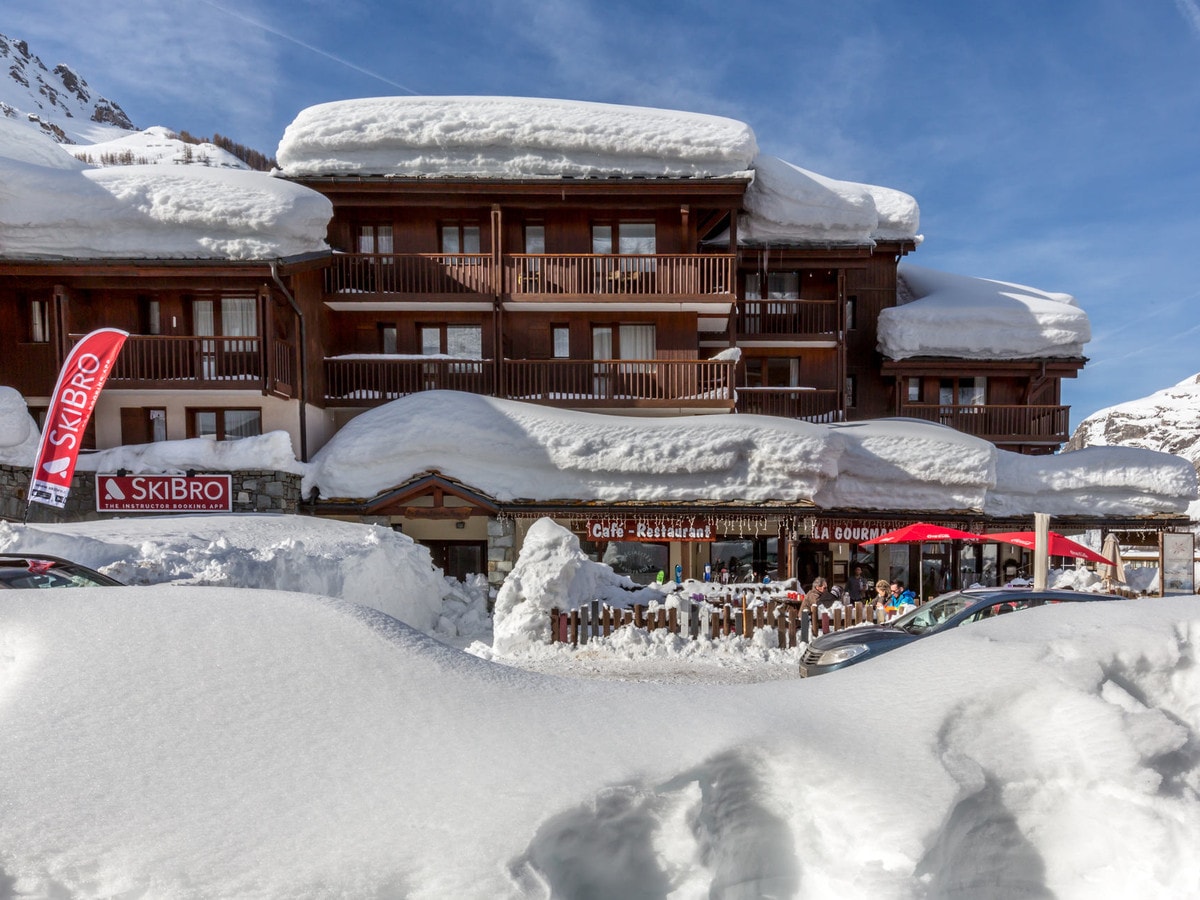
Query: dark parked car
(25, 570)
(854, 645)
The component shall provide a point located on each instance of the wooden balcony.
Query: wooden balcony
(698, 384)
(787, 319)
(809, 404)
(586, 275)
(577, 384)
(432, 275)
(1046, 425)
(450, 276)
(369, 381)
(227, 363)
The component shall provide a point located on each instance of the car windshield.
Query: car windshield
(42, 574)
(932, 614)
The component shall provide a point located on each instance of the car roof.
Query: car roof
(999, 595)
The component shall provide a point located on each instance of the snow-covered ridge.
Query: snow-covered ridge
(58, 102)
(941, 314)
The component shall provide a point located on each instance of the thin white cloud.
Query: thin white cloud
(1190, 10)
(258, 23)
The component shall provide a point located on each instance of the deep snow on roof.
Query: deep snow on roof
(520, 451)
(941, 314)
(52, 206)
(518, 137)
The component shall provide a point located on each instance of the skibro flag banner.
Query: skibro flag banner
(79, 383)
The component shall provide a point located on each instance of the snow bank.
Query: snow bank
(510, 137)
(205, 742)
(552, 572)
(53, 206)
(19, 433)
(976, 318)
(272, 451)
(366, 564)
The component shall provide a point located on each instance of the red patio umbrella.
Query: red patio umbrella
(1058, 545)
(923, 533)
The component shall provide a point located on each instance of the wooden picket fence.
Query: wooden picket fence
(697, 618)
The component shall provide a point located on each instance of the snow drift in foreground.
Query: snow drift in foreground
(192, 742)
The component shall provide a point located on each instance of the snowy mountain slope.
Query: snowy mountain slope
(56, 101)
(1167, 420)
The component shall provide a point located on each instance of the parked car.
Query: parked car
(854, 645)
(26, 570)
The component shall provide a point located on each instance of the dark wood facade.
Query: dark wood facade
(610, 294)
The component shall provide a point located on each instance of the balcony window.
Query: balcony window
(851, 313)
(461, 341)
(460, 238)
(969, 391)
(375, 239)
(387, 339)
(627, 239)
(772, 371)
(39, 321)
(851, 391)
(914, 389)
(780, 286)
(560, 339)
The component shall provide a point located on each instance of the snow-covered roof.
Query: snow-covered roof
(521, 137)
(518, 451)
(510, 137)
(787, 204)
(52, 206)
(942, 314)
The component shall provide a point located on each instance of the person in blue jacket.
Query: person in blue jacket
(899, 596)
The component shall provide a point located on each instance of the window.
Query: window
(535, 238)
(375, 239)
(627, 239)
(150, 315)
(851, 313)
(39, 321)
(970, 391)
(851, 391)
(387, 338)
(156, 421)
(772, 371)
(560, 339)
(914, 389)
(460, 238)
(780, 286)
(461, 341)
(224, 424)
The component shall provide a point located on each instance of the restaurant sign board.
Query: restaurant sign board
(687, 529)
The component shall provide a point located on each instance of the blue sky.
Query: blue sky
(1051, 144)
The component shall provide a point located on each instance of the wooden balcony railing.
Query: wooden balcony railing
(787, 317)
(792, 403)
(699, 384)
(160, 361)
(654, 383)
(616, 275)
(532, 275)
(368, 381)
(410, 273)
(999, 424)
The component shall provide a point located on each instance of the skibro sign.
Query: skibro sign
(79, 384)
(164, 493)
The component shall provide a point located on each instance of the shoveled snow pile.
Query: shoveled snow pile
(941, 314)
(366, 564)
(62, 208)
(19, 433)
(554, 573)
